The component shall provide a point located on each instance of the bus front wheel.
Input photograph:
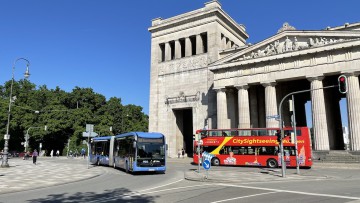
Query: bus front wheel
(215, 162)
(272, 163)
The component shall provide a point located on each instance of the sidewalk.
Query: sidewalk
(245, 175)
(24, 175)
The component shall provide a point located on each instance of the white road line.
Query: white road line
(128, 195)
(185, 187)
(162, 185)
(225, 200)
(295, 192)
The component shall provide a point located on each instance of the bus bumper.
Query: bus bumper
(161, 168)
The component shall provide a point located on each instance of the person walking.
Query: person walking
(57, 153)
(52, 153)
(179, 153)
(35, 155)
(183, 153)
(83, 153)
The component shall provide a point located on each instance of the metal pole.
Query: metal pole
(295, 137)
(88, 159)
(5, 163)
(67, 153)
(283, 168)
(198, 149)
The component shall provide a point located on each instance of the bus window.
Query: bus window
(250, 150)
(208, 149)
(268, 150)
(242, 150)
(245, 132)
(234, 133)
(236, 150)
(289, 150)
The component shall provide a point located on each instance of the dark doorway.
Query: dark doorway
(184, 121)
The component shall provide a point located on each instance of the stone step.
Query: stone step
(337, 156)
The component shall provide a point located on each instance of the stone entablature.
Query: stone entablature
(183, 65)
(195, 18)
(292, 64)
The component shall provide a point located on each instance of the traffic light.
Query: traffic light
(342, 80)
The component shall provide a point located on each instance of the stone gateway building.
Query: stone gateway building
(205, 75)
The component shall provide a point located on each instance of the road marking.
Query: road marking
(185, 187)
(162, 185)
(295, 192)
(131, 194)
(225, 200)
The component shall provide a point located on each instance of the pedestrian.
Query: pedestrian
(57, 153)
(183, 153)
(52, 153)
(34, 155)
(83, 152)
(179, 153)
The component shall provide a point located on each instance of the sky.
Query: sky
(105, 44)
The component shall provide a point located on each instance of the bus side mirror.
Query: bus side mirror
(167, 147)
(134, 144)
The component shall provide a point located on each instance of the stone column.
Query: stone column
(199, 45)
(177, 49)
(270, 104)
(222, 116)
(254, 113)
(167, 51)
(320, 127)
(231, 108)
(188, 47)
(228, 43)
(244, 106)
(353, 99)
(223, 42)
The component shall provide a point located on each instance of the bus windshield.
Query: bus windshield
(150, 148)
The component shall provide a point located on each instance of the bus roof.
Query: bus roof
(142, 134)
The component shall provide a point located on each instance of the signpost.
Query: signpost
(206, 164)
(89, 130)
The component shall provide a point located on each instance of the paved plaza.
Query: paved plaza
(24, 175)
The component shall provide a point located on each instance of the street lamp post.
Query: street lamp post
(11, 100)
(122, 122)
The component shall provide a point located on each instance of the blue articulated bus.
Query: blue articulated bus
(133, 151)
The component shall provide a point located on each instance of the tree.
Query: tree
(65, 114)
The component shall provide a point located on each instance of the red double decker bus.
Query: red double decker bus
(254, 147)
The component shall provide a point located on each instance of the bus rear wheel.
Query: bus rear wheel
(215, 162)
(272, 163)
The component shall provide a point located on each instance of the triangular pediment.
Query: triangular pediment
(290, 41)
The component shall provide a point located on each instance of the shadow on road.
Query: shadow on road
(118, 195)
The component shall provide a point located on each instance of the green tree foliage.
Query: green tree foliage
(65, 114)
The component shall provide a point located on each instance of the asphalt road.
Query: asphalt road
(330, 184)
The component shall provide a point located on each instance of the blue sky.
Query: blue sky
(105, 45)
